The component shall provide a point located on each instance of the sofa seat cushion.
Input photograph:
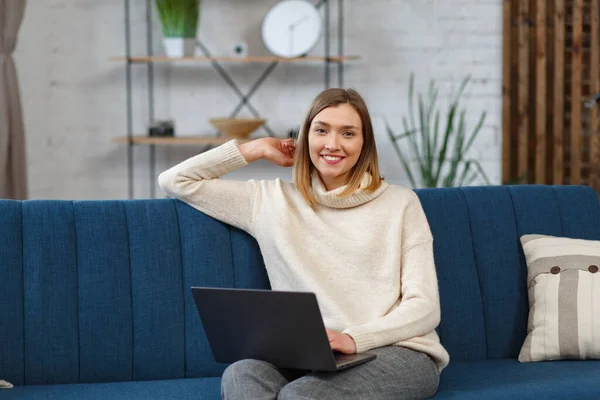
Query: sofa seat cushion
(510, 380)
(192, 388)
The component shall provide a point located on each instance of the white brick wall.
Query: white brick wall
(74, 98)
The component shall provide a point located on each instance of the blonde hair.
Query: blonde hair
(367, 161)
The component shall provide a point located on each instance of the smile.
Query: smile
(332, 159)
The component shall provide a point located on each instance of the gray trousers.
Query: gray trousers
(396, 373)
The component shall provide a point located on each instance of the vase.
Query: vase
(179, 47)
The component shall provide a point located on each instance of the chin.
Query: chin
(330, 172)
(331, 175)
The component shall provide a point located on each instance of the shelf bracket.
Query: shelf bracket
(254, 87)
(244, 98)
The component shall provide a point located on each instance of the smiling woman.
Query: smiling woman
(336, 140)
(334, 148)
(362, 246)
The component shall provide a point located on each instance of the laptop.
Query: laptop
(283, 328)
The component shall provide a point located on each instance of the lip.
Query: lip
(332, 162)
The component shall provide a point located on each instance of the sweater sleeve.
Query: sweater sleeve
(195, 182)
(418, 311)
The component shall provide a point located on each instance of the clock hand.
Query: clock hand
(291, 28)
(298, 22)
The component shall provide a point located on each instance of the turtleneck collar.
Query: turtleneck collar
(332, 199)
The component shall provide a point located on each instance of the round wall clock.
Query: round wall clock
(292, 28)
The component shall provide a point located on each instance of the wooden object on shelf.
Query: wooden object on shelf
(253, 59)
(237, 127)
(183, 140)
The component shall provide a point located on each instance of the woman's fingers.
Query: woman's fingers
(341, 342)
(288, 147)
(284, 160)
(333, 339)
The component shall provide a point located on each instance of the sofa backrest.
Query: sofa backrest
(96, 291)
(481, 267)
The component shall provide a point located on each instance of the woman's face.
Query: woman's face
(335, 140)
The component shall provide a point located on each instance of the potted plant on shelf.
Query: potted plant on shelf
(439, 148)
(179, 21)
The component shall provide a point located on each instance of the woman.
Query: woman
(363, 246)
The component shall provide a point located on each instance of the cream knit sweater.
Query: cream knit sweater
(368, 258)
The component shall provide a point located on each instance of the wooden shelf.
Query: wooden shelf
(255, 59)
(184, 140)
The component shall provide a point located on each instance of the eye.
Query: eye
(319, 130)
(349, 133)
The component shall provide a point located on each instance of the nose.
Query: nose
(332, 143)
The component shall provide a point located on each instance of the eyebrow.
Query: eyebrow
(325, 124)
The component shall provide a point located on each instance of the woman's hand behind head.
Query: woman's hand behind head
(278, 151)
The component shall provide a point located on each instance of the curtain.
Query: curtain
(13, 174)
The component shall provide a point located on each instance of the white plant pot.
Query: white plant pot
(179, 47)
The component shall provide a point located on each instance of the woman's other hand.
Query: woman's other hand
(278, 151)
(341, 342)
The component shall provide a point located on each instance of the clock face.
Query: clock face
(292, 28)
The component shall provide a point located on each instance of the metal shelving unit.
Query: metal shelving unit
(149, 59)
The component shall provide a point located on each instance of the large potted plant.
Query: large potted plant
(179, 21)
(438, 145)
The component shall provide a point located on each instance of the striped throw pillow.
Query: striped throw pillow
(564, 298)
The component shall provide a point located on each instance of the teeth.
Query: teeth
(328, 158)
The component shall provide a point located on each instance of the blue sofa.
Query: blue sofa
(95, 298)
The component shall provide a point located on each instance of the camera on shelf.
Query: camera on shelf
(161, 128)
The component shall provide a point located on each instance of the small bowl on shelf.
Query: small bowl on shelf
(239, 128)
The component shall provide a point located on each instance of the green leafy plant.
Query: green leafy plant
(438, 147)
(179, 18)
